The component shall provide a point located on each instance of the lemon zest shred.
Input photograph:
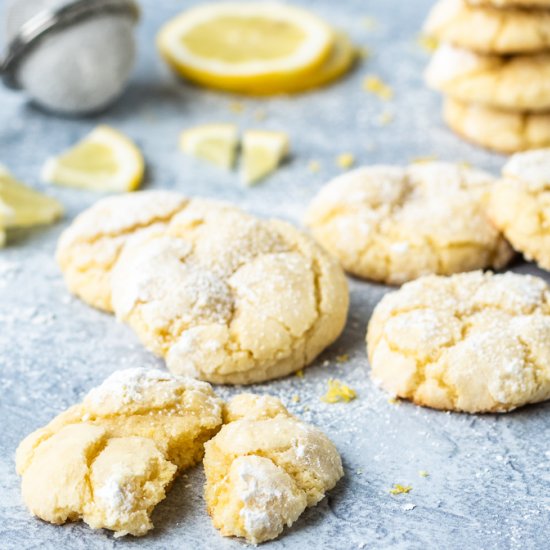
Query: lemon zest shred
(314, 166)
(428, 43)
(342, 358)
(369, 22)
(300, 373)
(338, 392)
(376, 86)
(236, 107)
(399, 489)
(345, 160)
(423, 473)
(385, 118)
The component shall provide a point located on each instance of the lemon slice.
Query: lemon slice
(263, 151)
(105, 160)
(215, 143)
(21, 206)
(245, 47)
(342, 57)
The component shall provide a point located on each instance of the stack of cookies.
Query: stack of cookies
(493, 65)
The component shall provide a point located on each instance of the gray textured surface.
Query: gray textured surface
(489, 475)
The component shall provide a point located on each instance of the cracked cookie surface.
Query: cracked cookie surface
(515, 83)
(89, 248)
(488, 29)
(394, 224)
(229, 298)
(110, 459)
(502, 131)
(472, 342)
(520, 205)
(264, 468)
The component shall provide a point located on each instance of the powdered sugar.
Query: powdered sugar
(135, 385)
(531, 167)
(449, 63)
(116, 499)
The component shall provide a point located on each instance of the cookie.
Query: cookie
(89, 248)
(520, 205)
(516, 83)
(473, 342)
(501, 131)
(487, 29)
(110, 459)
(511, 3)
(229, 298)
(264, 468)
(393, 224)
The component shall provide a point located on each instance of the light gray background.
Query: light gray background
(489, 475)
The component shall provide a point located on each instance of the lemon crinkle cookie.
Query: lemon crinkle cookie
(264, 468)
(229, 298)
(89, 248)
(515, 83)
(393, 224)
(471, 342)
(110, 459)
(488, 29)
(498, 130)
(512, 3)
(520, 204)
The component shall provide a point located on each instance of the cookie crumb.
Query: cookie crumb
(375, 85)
(399, 489)
(300, 373)
(338, 392)
(345, 160)
(342, 358)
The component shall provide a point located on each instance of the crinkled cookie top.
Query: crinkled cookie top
(472, 342)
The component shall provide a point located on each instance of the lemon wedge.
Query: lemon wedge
(245, 47)
(21, 206)
(215, 143)
(263, 151)
(105, 160)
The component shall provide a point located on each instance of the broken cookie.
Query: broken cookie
(110, 459)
